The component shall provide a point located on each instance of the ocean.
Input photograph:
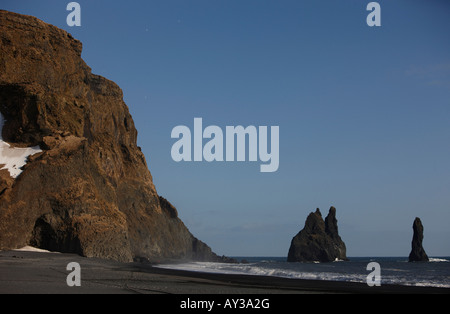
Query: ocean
(393, 270)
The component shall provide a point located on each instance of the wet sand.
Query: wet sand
(23, 272)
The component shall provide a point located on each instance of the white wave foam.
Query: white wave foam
(436, 259)
(253, 269)
(328, 273)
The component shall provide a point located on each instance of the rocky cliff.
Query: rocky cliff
(319, 240)
(417, 251)
(89, 190)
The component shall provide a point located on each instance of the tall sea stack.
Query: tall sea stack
(417, 251)
(318, 241)
(89, 190)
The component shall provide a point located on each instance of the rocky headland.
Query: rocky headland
(88, 190)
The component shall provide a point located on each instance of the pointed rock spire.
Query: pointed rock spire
(417, 251)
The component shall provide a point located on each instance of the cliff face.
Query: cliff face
(417, 251)
(89, 191)
(319, 240)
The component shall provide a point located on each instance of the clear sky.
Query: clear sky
(363, 112)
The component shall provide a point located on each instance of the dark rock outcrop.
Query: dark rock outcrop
(89, 191)
(417, 252)
(318, 241)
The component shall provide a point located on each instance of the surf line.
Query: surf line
(213, 149)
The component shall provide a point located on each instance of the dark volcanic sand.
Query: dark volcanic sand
(24, 272)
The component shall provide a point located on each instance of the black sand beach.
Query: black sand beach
(24, 272)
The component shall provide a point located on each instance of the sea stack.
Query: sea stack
(318, 241)
(417, 251)
(87, 189)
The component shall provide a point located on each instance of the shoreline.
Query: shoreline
(24, 272)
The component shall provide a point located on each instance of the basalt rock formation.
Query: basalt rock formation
(417, 251)
(318, 241)
(89, 191)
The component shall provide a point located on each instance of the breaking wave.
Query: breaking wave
(393, 270)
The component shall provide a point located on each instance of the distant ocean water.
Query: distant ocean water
(394, 270)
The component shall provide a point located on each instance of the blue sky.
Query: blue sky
(364, 112)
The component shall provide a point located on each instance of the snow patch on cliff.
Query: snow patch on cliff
(14, 158)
